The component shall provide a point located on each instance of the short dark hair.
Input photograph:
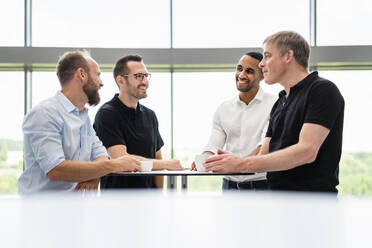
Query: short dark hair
(289, 40)
(121, 66)
(256, 55)
(69, 62)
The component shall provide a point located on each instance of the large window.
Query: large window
(196, 98)
(236, 23)
(175, 37)
(356, 89)
(11, 149)
(344, 22)
(93, 23)
(11, 19)
(356, 162)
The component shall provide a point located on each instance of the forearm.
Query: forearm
(158, 164)
(264, 149)
(284, 159)
(255, 151)
(159, 181)
(80, 171)
(166, 164)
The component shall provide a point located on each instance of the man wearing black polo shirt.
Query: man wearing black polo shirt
(303, 142)
(126, 127)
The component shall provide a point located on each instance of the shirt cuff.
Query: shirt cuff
(100, 152)
(49, 162)
(210, 149)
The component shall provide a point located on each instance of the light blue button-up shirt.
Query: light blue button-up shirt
(55, 131)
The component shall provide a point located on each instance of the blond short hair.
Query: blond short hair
(289, 40)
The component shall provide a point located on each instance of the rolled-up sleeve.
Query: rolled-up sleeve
(43, 132)
(263, 134)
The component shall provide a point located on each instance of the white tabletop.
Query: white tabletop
(185, 172)
(167, 220)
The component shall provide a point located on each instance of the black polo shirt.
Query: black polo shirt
(137, 129)
(313, 100)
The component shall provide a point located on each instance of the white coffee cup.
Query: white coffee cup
(199, 160)
(146, 165)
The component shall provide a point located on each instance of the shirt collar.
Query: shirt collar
(300, 84)
(125, 107)
(66, 103)
(304, 81)
(258, 97)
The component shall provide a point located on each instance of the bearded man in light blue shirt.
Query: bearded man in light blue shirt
(61, 149)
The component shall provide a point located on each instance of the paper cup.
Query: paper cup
(199, 160)
(146, 166)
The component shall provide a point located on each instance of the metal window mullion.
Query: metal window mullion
(171, 179)
(27, 67)
(28, 23)
(313, 22)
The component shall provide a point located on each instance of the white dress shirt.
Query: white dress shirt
(239, 128)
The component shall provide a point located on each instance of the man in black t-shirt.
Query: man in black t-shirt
(303, 142)
(126, 127)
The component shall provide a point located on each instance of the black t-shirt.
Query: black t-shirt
(313, 100)
(137, 129)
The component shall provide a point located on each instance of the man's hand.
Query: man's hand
(224, 162)
(91, 185)
(193, 166)
(125, 163)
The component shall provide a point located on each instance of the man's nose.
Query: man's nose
(242, 74)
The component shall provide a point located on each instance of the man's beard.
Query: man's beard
(246, 88)
(92, 93)
(247, 85)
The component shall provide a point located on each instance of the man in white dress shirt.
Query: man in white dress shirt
(240, 124)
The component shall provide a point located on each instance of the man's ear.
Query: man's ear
(120, 80)
(289, 56)
(81, 74)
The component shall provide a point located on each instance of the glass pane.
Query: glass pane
(11, 138)
(343, 22)
(356, 162)
(93, 23)
(196, 98)
(236, 23)
(159, 100)
(12, 23)
(45, 85)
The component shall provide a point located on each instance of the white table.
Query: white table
(184, 173)
(167, 220)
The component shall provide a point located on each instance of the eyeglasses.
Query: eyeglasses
(139, 76)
